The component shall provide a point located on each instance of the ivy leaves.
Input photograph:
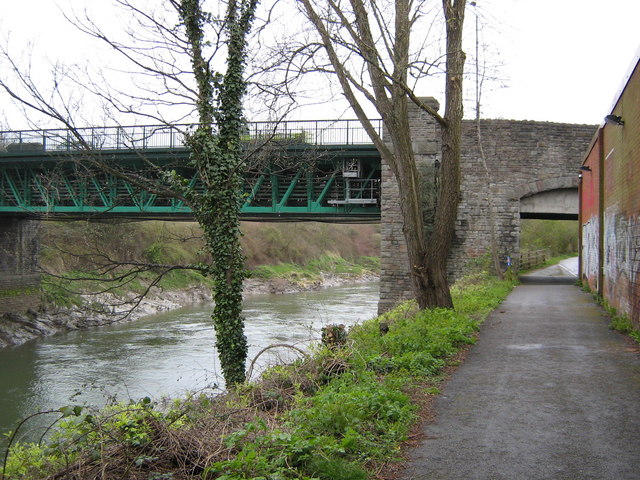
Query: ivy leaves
(217, 157)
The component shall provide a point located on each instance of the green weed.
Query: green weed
(622, 324)
(367, 417)
(311, 271)
(55, 291)
(619, 323)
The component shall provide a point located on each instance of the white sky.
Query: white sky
(565, 59)
(562, 60)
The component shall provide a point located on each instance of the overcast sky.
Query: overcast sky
(561, 60)
(565, 59)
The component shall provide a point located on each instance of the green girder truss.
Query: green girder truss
(338, 183)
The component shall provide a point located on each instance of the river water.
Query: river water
(162, 355)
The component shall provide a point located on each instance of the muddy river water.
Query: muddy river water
(162, 355)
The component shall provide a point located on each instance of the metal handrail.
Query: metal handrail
(144, 137)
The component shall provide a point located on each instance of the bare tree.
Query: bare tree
(191, 61)
(480, 78)
(372, 50)
(82, 261)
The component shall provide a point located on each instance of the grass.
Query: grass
(550, 262)
(71, 289)
(67, 292)
(16, 292)
(557, 259)
(622, 324)
(341, 412)
(325, 264)
(618, 322)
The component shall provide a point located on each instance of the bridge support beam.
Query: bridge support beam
(19, 280)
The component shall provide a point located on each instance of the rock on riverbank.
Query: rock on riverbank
(16, 329)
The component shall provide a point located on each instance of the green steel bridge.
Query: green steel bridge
(303, 170)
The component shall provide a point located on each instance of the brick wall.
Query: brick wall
(590, 219)
(616, 243)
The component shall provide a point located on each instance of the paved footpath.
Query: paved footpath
(548, 392)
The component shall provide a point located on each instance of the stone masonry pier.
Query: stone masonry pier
(19, 280)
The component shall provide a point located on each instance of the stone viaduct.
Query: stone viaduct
(531, 171)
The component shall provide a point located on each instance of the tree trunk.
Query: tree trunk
(451, 132)
(386, 87)
(218, 159)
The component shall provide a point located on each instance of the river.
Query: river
(162, 355)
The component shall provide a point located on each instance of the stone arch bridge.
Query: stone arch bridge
(530, 170)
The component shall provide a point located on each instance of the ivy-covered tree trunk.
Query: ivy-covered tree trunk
(217, 155)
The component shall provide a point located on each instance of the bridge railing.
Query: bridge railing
(313, 132)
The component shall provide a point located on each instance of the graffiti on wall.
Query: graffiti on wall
(622, 260)
(590, 252)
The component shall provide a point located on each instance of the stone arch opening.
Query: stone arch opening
(549, 199)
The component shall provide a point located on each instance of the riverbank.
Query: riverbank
(283, 258)
(16, 329)
(338, 413)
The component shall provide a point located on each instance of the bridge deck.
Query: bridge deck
(297, 170)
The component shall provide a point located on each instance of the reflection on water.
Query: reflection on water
(165, 354)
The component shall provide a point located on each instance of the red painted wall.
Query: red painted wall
(589, 216)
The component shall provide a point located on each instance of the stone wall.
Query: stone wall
(19, 280)
(523, 158)
(395, 284)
